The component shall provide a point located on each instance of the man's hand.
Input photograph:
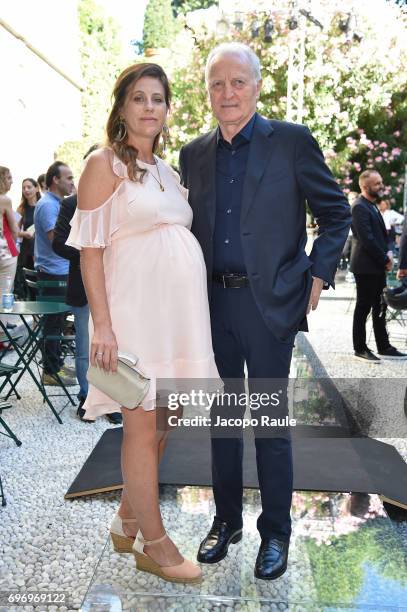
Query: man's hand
(402, 273)
(317, 286)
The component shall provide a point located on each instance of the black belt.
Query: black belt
(231, 280)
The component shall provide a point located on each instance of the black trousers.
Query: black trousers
(240, 335)
(369, 288)
(53, 325)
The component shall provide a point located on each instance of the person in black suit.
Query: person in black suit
(249, 180)
(370, 259)
(402, 271)
(76, 298)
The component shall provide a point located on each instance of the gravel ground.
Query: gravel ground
(48, 543)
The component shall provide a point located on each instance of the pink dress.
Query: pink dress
(155, 280)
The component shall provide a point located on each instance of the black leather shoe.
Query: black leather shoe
(215, 546)
(367, 355)
(115, 418)
(271, 561)
(81, 412)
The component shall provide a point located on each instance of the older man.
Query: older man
(249, 180)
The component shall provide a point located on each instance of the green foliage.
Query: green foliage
(339, 570)
(381, 144)
(100, 63)
(347, 87)
(185, 6)
(159, 24)
(100, 53)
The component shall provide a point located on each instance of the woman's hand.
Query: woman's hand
(103, 350)
(26, 235)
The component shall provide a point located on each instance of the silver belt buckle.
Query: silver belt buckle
(224, 282)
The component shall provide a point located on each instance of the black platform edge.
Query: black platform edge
(366, 466)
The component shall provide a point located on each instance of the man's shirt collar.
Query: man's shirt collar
(50, 195)
(245, 134)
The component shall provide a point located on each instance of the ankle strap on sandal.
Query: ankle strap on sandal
(126, 520)
(150, 542)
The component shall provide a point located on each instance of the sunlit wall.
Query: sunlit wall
(40, 104)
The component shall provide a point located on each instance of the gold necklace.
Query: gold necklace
(159, 176)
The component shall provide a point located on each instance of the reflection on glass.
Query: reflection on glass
(344, 552)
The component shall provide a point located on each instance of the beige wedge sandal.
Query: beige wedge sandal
(121, 542)
(185, 572)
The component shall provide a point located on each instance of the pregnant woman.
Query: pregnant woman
(145, 279)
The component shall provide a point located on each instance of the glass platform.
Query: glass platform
(344, 554)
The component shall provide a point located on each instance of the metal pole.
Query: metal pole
(42, 57)
(290, 75)
(301, 67)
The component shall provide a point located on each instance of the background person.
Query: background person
(29, 198)
(76, 298)
(370, 260)
(41, 180)
(8, 236)
(391, 219)
(30, 194)
(50, 266)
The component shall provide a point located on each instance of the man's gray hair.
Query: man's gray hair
(239, 49)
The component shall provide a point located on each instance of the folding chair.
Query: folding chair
(398, 316)
(7, 370)
(39, 288)
(30, 274)
(9, 433)
(3, 498)
(24, 289)
(393, 315)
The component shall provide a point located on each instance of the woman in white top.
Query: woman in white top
(8, 235)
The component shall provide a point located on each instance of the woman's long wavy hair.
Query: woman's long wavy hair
(3, 173)
(126, 152)
(22, 207)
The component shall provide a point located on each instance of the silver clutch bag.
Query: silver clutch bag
(128, 386)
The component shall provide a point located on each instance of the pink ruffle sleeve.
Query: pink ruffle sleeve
(95, 228)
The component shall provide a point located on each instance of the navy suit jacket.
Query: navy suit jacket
(370, 241)
(285, 169)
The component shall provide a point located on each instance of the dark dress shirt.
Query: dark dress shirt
(27, 245)
(231, 163)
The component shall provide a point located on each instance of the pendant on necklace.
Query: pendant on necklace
(162, 187)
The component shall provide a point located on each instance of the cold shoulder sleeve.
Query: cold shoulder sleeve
(95, 228)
